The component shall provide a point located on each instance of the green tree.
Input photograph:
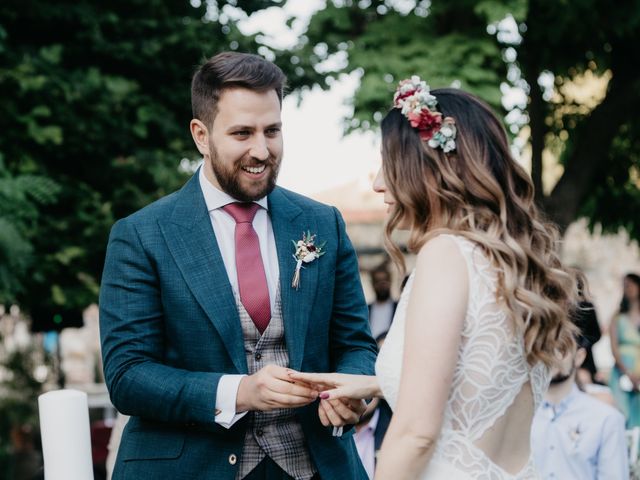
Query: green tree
(95, 96)
(467, 43)
(20, 197)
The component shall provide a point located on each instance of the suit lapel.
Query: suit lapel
(193, 245)
(289, 222)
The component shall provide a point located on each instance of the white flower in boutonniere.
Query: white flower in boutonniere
(575, 434)
(306, 251)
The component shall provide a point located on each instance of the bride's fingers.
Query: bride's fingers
(318, 378)
(334, 394)
(324, 420)
(334, 417)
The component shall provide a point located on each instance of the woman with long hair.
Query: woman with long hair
(485, 312)
(625, 345)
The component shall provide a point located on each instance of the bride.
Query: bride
(484, 314)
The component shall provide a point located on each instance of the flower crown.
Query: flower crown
(417, 104)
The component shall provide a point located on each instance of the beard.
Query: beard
(562, 377)
(383, 296)
(229, 176)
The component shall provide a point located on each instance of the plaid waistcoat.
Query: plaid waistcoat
(277, 433)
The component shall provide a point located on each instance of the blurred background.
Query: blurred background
(94, 113)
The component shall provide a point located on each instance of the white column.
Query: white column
(66, 438)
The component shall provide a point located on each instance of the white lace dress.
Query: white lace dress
(491, 371)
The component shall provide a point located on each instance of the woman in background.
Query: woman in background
(625, 345)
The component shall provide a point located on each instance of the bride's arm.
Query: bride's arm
(435, 317)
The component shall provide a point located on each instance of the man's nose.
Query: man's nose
(259, 149)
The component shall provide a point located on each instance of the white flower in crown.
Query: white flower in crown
(444, 138)
(306, 251)
(449, 146)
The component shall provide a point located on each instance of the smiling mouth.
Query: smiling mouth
(255, 170)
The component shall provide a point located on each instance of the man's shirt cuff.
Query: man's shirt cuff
(226, 397)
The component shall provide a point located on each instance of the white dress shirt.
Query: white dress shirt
(224, 228)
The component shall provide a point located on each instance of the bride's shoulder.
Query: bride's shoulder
(441, 244)
(441, 251)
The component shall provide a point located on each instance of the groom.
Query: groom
(200, 322)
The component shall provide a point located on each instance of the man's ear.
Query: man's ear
(200, 135)
(581, 354)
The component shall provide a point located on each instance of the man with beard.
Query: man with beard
(210, 295)
(575, 436)
(381, 311)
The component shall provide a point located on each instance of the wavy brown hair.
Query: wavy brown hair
(480, 192)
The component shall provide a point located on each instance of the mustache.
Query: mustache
(270, 161)
(561, 378)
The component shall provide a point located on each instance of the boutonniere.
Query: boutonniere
(575, 433)
(306, 252)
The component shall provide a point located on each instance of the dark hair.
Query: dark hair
(625, 304)
(480, 192)
(232, 70)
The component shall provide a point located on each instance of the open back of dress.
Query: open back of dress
(484, 435)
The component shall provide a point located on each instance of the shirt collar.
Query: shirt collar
(560, 408)
(216, 198)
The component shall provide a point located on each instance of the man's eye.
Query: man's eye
(241, 133)
(273, 131)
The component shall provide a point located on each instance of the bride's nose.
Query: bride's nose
(378, 183)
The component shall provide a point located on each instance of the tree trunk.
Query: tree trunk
(538, 132)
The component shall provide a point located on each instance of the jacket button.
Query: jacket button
(233, 459)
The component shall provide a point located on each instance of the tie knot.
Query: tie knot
(242, 212)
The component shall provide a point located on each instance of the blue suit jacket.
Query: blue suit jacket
(170, 329)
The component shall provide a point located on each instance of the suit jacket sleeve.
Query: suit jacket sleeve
(353, 350)
(131, 330)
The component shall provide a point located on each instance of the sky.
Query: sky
(317, 157)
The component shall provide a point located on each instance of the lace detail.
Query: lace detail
(491, 371)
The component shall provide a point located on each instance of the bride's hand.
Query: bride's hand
(340, 385)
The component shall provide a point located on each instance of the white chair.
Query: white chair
(633, 444)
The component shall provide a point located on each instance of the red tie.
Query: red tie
(252, 281)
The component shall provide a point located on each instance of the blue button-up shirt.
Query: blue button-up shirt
(580, 438)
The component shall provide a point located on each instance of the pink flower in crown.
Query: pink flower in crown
(427, 123)
(401, 95)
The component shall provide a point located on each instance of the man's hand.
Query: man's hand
(340, 412)
(271, 388)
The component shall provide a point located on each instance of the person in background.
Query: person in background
(371, 428)
(574, 436)
(381, 311)
(586, 319)
(625, 345)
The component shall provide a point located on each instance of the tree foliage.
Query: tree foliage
(20, 197)
(465, 43)
(96, 98)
